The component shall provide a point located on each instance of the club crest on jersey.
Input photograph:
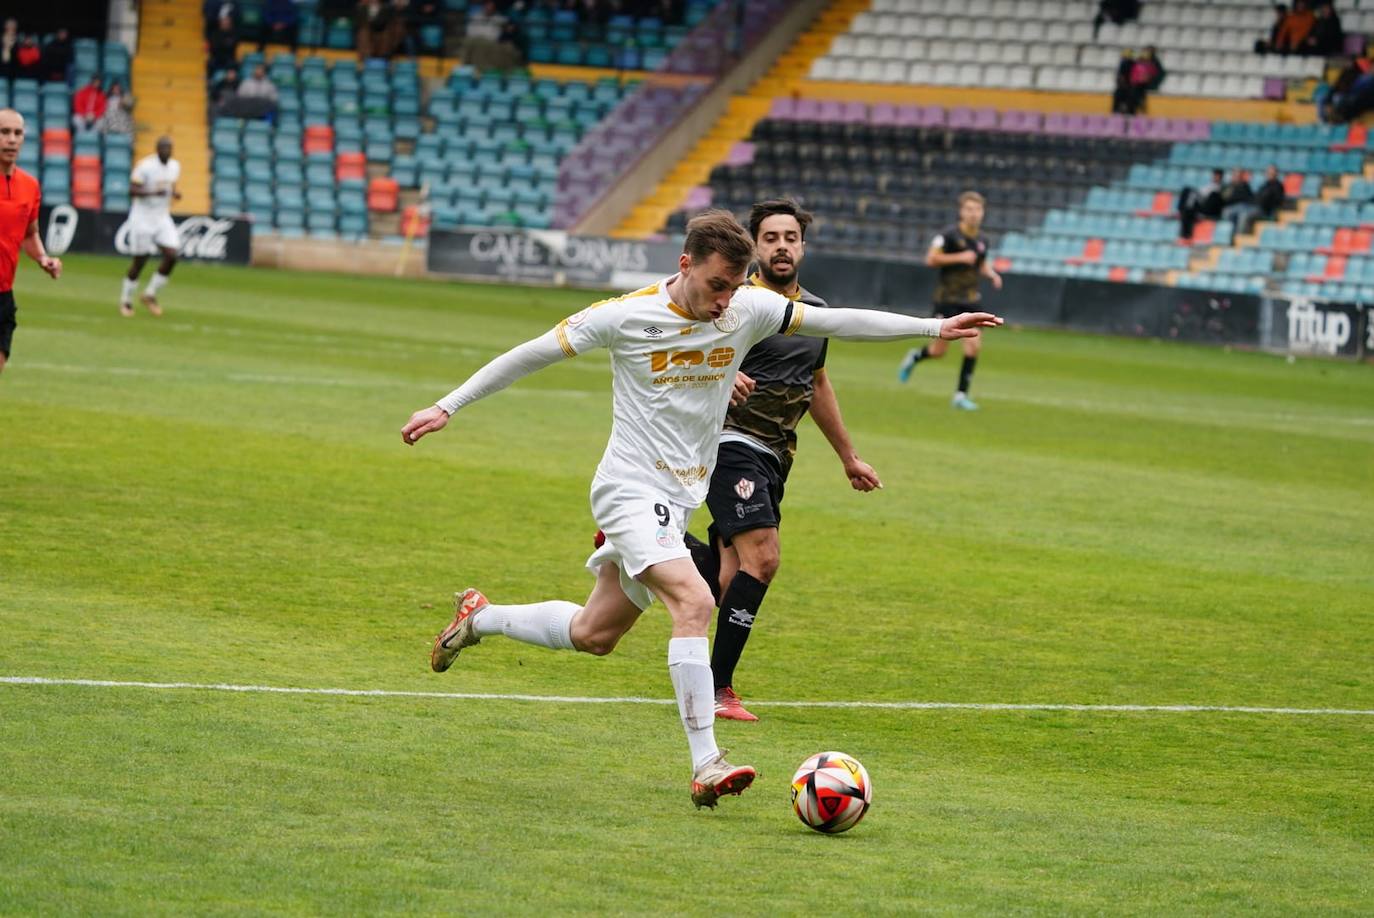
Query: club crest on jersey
(728, 321)
(744, 488)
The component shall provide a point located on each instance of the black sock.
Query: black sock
(707, 562)
(966, 374)
(738, 607)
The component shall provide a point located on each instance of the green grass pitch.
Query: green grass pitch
(221, 496)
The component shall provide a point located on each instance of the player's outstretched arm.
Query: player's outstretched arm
(512, 365)
(875, 325)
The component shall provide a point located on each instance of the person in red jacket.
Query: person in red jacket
(19, 200)
(88, 106)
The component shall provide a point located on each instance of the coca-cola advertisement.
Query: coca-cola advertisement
(67, 229)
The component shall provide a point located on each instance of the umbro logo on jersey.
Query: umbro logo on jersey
(653, 331)
(744, 488)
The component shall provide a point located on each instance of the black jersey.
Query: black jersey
(783, 368)
(958, 285)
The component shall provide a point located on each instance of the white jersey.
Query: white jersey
(672, 376)
(154, 175)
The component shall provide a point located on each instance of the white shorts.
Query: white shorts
(148, 235)
(642, 528)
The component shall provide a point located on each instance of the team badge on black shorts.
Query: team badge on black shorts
(744, 488)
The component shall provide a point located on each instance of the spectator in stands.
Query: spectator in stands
(1134, 83)
(1327, 37)
(1297, 25)
(258, 86)
(1269, 200)
(1115, 11)
(486, 23)
(88, 106)
(514, 38)
(376, 29)
(1266, 45)
(224, 90)
(1238, 201)
(1121, 96)
(1195, 203)
(119, 108)
(28, 58)
(1349, 95)
(280, 24)
(9, 45)
(224, 46)
(213, 11)
(57, 57)
(483, 46)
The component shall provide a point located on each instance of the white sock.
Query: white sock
(689, 666)
(127, 296)
(547, 624)
(157, 283)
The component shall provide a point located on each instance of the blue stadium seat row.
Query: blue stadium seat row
(1224, 156)
(1315, 136)
(1221, 283)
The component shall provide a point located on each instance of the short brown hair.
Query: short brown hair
(772, 208)
(713, 231)
(972, 196)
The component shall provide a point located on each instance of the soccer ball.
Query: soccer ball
(831, 792)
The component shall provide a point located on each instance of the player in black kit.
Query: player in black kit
(962, 257)
(784, 377)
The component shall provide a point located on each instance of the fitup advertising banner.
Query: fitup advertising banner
(1317, 328)
(66, 229)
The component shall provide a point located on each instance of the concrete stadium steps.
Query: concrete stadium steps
(169, 83)
(790, 68)
(693, 169)
(795, 63)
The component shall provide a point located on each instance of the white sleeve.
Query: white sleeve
(864, 324)
(515, 363)
(139, 175)
(590, 328)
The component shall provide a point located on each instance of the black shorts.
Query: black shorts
(949, 310)
(745, 493)
(7, 322)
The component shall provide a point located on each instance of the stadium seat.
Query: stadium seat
(383, 195)
(350, 166)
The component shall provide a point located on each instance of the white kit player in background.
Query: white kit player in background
(675, 348)
(153, 188)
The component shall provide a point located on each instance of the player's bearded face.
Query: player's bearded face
(779, 249)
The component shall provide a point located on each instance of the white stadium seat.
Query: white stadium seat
(1049, 44)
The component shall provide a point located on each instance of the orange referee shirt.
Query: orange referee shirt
(19, 200)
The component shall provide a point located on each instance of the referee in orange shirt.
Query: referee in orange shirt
(19, 200)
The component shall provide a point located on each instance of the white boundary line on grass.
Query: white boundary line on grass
(573, 699)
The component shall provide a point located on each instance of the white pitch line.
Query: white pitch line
(575, 699)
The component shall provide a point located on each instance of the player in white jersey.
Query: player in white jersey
(675, 349)
(153, 188)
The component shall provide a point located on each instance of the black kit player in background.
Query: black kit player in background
(962, 257)
(781, 378)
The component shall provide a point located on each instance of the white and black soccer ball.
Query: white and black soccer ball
(831, 792)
